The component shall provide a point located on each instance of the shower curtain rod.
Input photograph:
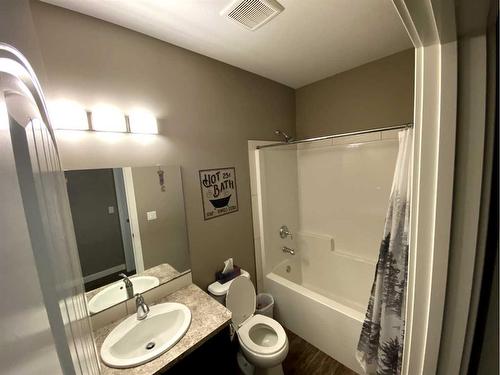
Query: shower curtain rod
(394, 127)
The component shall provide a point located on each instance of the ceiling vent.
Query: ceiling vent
(252, 14)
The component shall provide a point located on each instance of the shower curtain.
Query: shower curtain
(380, 346)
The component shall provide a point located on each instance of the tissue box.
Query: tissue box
(224, 278)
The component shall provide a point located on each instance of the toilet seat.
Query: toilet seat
(251, 329)
(245, 335)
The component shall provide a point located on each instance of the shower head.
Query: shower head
(285, 136)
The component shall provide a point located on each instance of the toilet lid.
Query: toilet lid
(240, 300)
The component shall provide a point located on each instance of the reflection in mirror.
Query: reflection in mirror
(130, 225)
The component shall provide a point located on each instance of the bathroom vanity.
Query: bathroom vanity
(131, 234)
(206, 344)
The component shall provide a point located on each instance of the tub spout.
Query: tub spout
(288, 250)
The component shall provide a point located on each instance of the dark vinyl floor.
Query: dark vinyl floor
(305, 359)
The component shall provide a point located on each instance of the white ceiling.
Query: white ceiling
(310, 40)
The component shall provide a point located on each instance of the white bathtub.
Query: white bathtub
(328, 324)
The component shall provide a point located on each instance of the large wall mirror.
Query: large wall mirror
(130, 227)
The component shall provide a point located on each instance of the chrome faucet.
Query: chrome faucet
(284, 232)
(141, 306)
(288, 250)
(128, 285)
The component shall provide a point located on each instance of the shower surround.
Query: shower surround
(332, 195)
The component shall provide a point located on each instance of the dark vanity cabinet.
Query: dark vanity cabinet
(216, 356)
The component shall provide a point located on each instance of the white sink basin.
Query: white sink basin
(116, 292)
(134, 342)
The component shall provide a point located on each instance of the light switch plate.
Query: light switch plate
(151, 215)
(111, 210)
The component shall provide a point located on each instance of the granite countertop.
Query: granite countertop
(208, 317)
(164, 272)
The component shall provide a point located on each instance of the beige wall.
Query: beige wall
(208, 111)
(16, 29)
(165, 239)
(373, 95)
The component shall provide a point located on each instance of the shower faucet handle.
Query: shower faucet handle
(284, 232)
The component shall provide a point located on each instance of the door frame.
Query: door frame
(133, 218)
(124, 216)
(432, 29)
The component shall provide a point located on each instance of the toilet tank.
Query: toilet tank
(219, 291)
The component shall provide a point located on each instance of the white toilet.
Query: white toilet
(263, 340)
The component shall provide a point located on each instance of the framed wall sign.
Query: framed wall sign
(218, 192)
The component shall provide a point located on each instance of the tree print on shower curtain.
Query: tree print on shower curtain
(380, 346)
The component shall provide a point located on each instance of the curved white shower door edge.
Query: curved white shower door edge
(26, 130)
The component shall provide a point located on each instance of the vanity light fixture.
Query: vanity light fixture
(68, 115)
(142, 121)
(107, 118)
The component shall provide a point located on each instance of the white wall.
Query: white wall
(333, 197)
(344, 187)
(279, 193)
